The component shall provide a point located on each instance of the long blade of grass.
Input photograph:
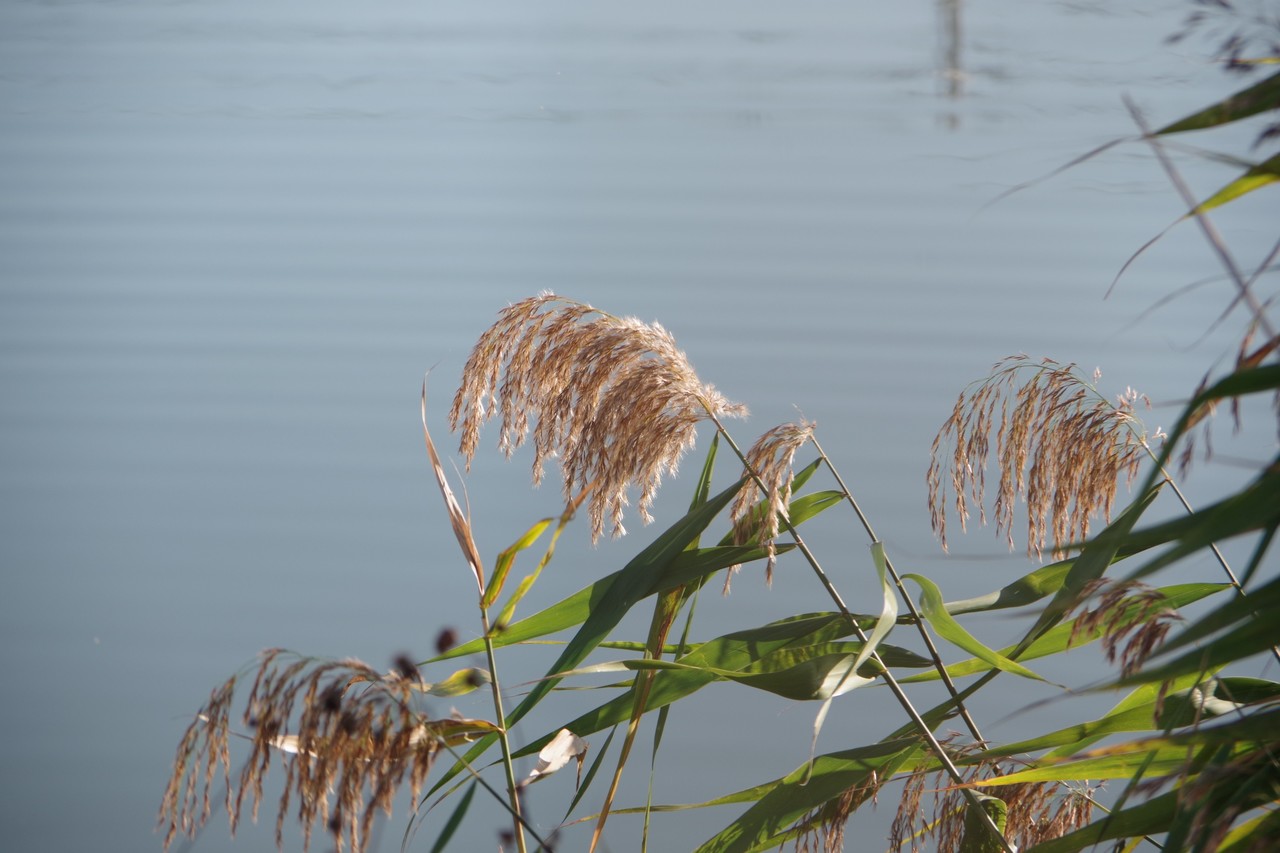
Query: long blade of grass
(1256, 177)
(1137, 712)
(455, 820)
(1247, 102)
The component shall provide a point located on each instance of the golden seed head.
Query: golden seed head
(770, 459)
(1061, 447)
(613, 399)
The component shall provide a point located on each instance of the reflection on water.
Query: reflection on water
(232, 239)
(950, 71)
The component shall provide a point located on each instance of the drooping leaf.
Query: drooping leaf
(935, 613)
(563, 748)
(459, 683)
(1027, 589)
(888, 611)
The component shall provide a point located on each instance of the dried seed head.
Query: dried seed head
(1060, 446)
(1034, 812)
(769, 459)
(612, 398)
(1126, 613)
(823, 828)
(351, 749)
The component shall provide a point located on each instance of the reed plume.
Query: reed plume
(822, 830)
(770, 459)
(612, 398)
(1132, 619)
(1033, 812)
(353, 736)
(1061, 447)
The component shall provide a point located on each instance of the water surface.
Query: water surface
(234, 237)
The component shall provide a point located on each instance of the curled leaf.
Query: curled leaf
(556, 754)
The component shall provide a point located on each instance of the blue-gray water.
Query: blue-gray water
(234, 236)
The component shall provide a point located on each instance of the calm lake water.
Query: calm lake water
(233, 237)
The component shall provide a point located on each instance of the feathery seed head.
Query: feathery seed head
(1060, 446)
(1034, 812)
(351, 748)
(1128, 614)
(613, 399)
(770, 459)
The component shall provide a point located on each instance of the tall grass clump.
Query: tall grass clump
(1185, 759)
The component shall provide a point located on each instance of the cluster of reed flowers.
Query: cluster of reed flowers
(769, 472)
(1132, 618)
(1061, 447)
(612, 398)
(1033, 812)
(822, 830)
(353, 735)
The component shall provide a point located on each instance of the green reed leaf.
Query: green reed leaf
(935, 613)
(1256, 177)
(726, 658)
(455, 820)
(1257, 98)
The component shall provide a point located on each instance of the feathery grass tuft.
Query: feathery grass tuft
(1033, 812)
(1061, 447)
(613, 398)
(770, 458)
(351, 746)
(1128, 613)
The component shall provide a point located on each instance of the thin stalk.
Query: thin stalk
(513, 793)
(911, 607)
(889, 680)
(1206, 225)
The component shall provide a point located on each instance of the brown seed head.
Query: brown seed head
(1061, 447)
(770, 459)
(352, 749)
(612, 398)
